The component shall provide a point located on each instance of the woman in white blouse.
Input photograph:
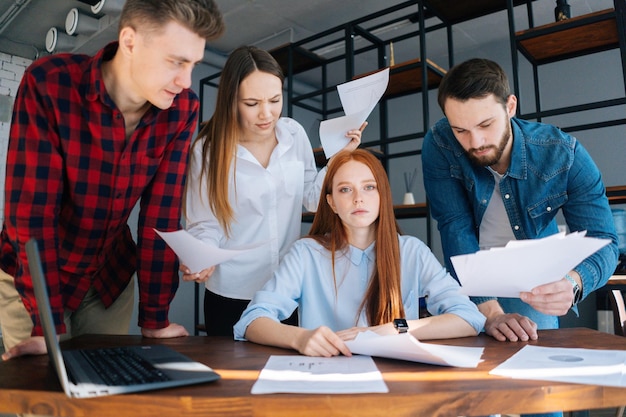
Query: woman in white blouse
(355, 272)
(250, 173)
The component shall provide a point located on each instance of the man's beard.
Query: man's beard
(491, 159)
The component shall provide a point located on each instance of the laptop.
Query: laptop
(113, 370)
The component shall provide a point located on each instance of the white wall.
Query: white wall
(11, 72)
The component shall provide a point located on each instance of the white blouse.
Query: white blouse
(268, 209)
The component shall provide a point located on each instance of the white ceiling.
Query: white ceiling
(267, 23)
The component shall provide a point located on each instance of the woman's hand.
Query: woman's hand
(382, 330)
(198, 277)
(355, 138)
(321, 342)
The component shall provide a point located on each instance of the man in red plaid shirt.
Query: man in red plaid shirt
(90, 138)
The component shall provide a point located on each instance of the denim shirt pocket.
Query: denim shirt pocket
(543, 212)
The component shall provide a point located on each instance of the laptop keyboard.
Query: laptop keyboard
(122, 366)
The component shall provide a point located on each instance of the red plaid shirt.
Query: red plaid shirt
(73, 179)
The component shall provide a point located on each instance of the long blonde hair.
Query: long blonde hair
(383, 299)
(220, 135)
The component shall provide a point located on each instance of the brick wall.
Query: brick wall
(11, 72)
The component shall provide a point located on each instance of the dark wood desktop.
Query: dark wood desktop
(30, 385)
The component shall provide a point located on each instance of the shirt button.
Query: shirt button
(484, 201)
(516, 227)
(549, 209)
(507, 196)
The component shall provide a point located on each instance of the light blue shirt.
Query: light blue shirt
(304, 280)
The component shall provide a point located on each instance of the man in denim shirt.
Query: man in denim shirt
(491, 178)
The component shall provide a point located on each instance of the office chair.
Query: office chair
(619, 323)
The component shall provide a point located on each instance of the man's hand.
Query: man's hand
(503, 327)
(513, 327)
(35, 345)
(173, 330)
(554, 299)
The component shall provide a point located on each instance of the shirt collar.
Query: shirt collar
(93, 75)
(356, 255)
(519, 163)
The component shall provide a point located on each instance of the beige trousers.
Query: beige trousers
(90, 317)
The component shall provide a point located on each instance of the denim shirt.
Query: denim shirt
(549, 170)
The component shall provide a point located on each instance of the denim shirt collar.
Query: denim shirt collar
(518, 167)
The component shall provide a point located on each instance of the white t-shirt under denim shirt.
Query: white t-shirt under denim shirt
(268, 209)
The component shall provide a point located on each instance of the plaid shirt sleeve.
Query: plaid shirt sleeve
(157, 269)
(33, 188)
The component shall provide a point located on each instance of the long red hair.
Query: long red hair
(383, 299)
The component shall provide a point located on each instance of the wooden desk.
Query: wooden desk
(29, 385)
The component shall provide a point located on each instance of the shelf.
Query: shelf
(455, 11)
(320, 157)
(402, 211)
(303, 59)
(616, 194)
(406, 77)
(587, 34)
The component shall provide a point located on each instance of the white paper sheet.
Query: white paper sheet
(406, 347)
(194, 253)
(358, 99)
(312, 375)
(583, 366)
(523, 264)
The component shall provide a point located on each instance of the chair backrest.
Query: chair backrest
(616, 299)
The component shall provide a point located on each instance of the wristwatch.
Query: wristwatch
(576, 288)
(401, 325)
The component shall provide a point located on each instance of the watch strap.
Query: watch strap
(576, 288)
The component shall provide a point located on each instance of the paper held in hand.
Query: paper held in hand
(522, 265)
(358, 99)
(197, 255)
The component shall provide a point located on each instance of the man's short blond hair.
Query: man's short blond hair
(199, 16)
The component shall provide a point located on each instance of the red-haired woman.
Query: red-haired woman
(355, 272)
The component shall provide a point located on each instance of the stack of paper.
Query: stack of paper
(583, 366)
(305, 374)
(406, 347)
(523, 264)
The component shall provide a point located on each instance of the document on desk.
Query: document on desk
(406, 347)
(582, 366)
(523, 264)
(358, 99)
(195, 254)
(313, 375)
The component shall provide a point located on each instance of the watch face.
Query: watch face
(401, 325)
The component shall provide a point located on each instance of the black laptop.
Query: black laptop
(112, 370)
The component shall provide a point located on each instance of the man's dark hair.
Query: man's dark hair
(475, 78)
